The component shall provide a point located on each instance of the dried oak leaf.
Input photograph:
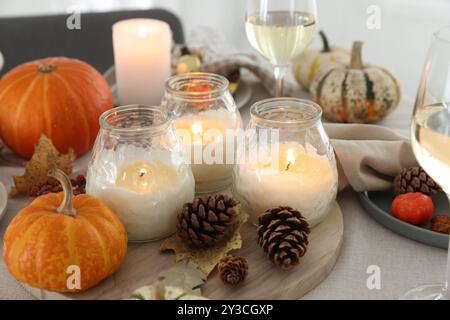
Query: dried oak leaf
(45, 157)
(206, 258)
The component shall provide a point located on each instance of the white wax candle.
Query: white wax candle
(145, 192)
(200, 134)
(142, 59)
(1, 61)
(303, 180)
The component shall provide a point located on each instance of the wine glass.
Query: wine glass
(430, 137)
(280, 30)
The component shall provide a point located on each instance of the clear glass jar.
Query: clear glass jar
(286, 160)
(138, 169)
(206, 118)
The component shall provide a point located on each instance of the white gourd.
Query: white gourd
(356, 93)
(315, 62)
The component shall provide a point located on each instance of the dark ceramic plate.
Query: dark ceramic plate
(242, 93)
(378, 205)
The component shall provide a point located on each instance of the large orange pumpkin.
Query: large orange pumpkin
(60, 97)
(56, 232)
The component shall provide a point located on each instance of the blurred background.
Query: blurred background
(400, 44)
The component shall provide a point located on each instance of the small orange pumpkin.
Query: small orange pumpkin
(60, 97)
(58, 231)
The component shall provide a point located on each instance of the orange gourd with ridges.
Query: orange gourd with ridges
(60, 97)
(54, 232)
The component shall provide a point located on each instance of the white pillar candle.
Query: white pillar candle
(1, 61)
(145, 192)
(200, 134)
(142, 59)
(301, 179)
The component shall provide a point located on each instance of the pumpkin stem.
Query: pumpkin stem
(326, 45)
(356, 58)
(46, 68)
(66, 206)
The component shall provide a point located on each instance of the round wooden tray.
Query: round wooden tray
(144, 262)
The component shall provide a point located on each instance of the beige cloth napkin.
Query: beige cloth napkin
(368, 156)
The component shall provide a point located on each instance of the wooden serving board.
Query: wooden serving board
(144, 262)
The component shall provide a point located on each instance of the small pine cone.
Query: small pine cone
(283, 235)
(415, 179)
(205, 221)
(440, 223)
(79, 181)
(232, 269)
(51, 185)
(78, 190)
(43, 186)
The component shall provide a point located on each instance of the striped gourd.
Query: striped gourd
(313, 62)
(356, 93)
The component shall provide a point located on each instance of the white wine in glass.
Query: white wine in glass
(431, 141)
(280, 30)
(430, 138)
(283, 36)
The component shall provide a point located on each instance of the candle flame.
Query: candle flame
(290, 159)
(197, 131)
(197, 128)
(142, 173)
(142, 31)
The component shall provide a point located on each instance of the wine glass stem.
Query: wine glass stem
(447, 270)
(447, 275)
(280, 72)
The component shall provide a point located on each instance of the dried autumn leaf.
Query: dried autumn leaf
(185, 275)
(45, 158)
(206, 258)
(159, 291)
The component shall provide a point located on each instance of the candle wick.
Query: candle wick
(141, 174)
(288, 165)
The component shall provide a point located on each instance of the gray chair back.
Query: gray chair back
(28, 38)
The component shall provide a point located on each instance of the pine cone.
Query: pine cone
(440, 223)
(205, 221)
(283, 234)
(232, 269)
(49, 184)
(415, 179)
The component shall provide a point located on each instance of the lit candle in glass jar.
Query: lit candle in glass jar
(206, 119)
(146, 196)
(296, 168)
(139, 171)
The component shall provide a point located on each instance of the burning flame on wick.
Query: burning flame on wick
(197, 128)
(290, 158)
(142, 172)
(197, 131)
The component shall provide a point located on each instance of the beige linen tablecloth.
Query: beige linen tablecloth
(403, 263)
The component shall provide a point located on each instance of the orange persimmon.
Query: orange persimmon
(414, 208)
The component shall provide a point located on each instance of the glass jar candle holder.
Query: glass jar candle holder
(206, 119)
(286, 159)
(138, 169)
